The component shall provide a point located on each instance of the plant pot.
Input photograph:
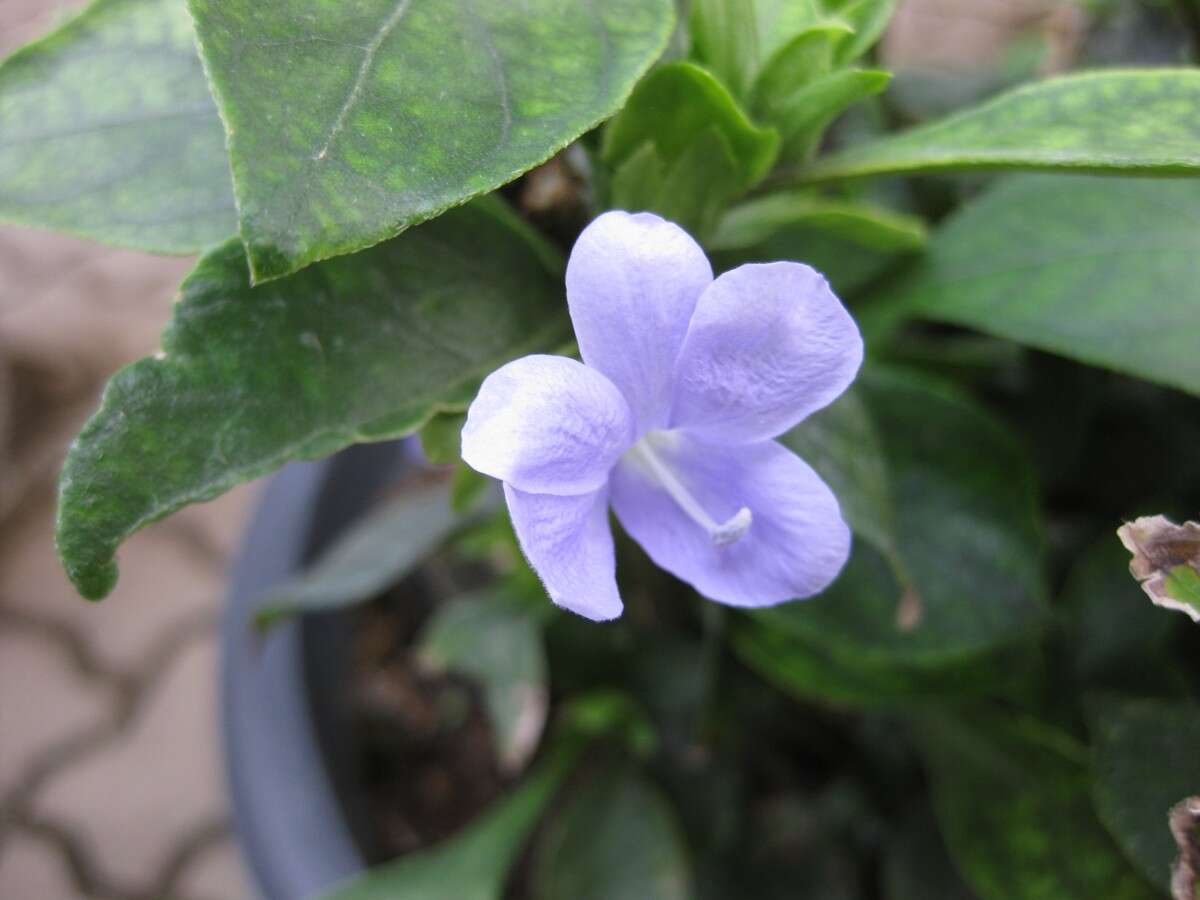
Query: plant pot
(288, 770)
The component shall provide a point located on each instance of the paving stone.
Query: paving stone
(957, 35)
(220, 523)
(135, 800)
(217, 874)
(31, 869)
(43, 701)
(164, 582)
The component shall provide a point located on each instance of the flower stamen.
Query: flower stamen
(721, 533)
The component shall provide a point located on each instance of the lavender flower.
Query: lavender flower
(685, 380)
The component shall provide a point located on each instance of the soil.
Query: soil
(424, 744)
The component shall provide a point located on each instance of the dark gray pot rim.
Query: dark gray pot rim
(278, 714)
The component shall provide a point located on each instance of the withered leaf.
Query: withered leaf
(1166, 560)
(1185, 827)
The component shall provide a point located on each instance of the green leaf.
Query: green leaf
(374, 554)
(1012, 800)
(808, 56)
(868, 18)
(945, 583)
(917, 866)
(497, 641)
(1182, 584)
(473, 865)
(616, 837)
(843, 444)
(347, 126)
(737, 38)
(677, 105)
(1116, 639)
(1110, 121)
(441, 438)
(108, 131)
(1104, 271)
(1146, 756)
(804, 116)
(360, 349)
(724, 40)
(694, 192)
(867, 226)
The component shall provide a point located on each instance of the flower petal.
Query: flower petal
(569, 544)
(547, 424)
(796, 543)
(768, 345)
(632, 283)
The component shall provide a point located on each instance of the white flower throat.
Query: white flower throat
(646, 457)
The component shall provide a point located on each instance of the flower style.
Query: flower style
(685, 381)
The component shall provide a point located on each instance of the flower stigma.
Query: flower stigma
(644, 456)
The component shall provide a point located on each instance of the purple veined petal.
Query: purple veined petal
(548, 425)
(569, 544)
(796, 542)
(632, 283)
(768, 345)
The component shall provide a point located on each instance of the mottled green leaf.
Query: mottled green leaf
(1116, 121)
(349, 123)
(497, 641)
(1012, 800)
(474, 864)
(1146, 756)
(616, 837)
(355, 350)
(1102, 270)
(108, 131)
(680, 103)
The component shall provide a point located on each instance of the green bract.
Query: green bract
(348, 125)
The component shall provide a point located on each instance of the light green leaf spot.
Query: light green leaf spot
(108, 131)
(1111, 121)
(349, 124)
